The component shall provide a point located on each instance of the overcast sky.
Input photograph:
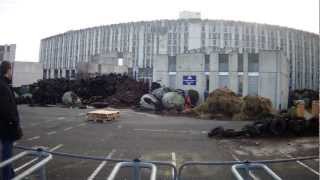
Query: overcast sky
(25, 22)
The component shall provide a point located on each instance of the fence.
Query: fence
(45, 156)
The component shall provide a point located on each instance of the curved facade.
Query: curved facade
(143, 40)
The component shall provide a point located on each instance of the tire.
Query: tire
(216, 132)
(278, 127)
(251, 130)
(297, 127)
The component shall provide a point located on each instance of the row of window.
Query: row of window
(253, 63)
(224, 82)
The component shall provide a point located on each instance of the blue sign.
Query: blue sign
(190, 80)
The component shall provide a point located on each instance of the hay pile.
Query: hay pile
(254, 107)
(221, 102)
(224, 103)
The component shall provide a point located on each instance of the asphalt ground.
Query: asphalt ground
(153, 137)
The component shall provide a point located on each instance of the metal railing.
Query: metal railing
(43, 159)
(177, 173)
(137, 165)
(76, 156)
(253, 166)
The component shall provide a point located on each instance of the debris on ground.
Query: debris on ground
(150, 102)
(271, 128)
(69, 98)
(173, 100)
(114, 89)
(307, 95)
(194, 97)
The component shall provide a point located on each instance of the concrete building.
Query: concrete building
(147, 39)
(8, 52)
(264, 73)
(25, 73)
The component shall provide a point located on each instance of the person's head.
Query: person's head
(6, 70)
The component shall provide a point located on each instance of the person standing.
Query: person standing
(10, 129)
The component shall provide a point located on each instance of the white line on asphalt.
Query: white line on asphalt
(55, 148)
(152, 130)
(82, 124)
(81, 114)
(251, 174)
(61, 118)
(302, 164)
(174, 162)
(68, 128)
(34, 138)
(51, 133)
(101, 165)
(34, 124)
(204, 132)
(119, 126)
(35, 159)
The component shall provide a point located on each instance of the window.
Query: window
(56, 73)
(172, 63)
(207, 83)
(223, 81)
(207, 63)
(240, 85)
(253, 85)
(240, 62)
(223, 63)
(253, 62)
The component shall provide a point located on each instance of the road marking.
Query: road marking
(61, 118)
(55, 148)
(302, 164)
(152, 130)
(34, 138)
(68, 128)
(35, 159)
(101, 165)
(81, 114)
(174, 162)
(82, 124)
(119, 126)
(34, 124)
(254, 177)
(51, 133)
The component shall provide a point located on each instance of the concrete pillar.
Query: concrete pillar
(233, 74)
(214, 66)
(245, 74)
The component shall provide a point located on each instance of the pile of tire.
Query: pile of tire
(272, 128)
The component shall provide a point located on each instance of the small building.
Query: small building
(105, 64)
(264, 73)
(25, 73)
(7, 52)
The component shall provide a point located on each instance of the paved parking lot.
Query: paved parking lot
(153, 137)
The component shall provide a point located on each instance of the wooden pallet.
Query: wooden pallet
(102, 115)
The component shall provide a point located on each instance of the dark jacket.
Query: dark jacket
(9, 117)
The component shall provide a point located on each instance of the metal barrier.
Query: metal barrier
(177, 173)
(136, 165)
(244, 163)
(43, 159)
(248, 167)
(157, 163)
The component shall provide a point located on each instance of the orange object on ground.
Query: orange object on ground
(300, 108)
(315, 108)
